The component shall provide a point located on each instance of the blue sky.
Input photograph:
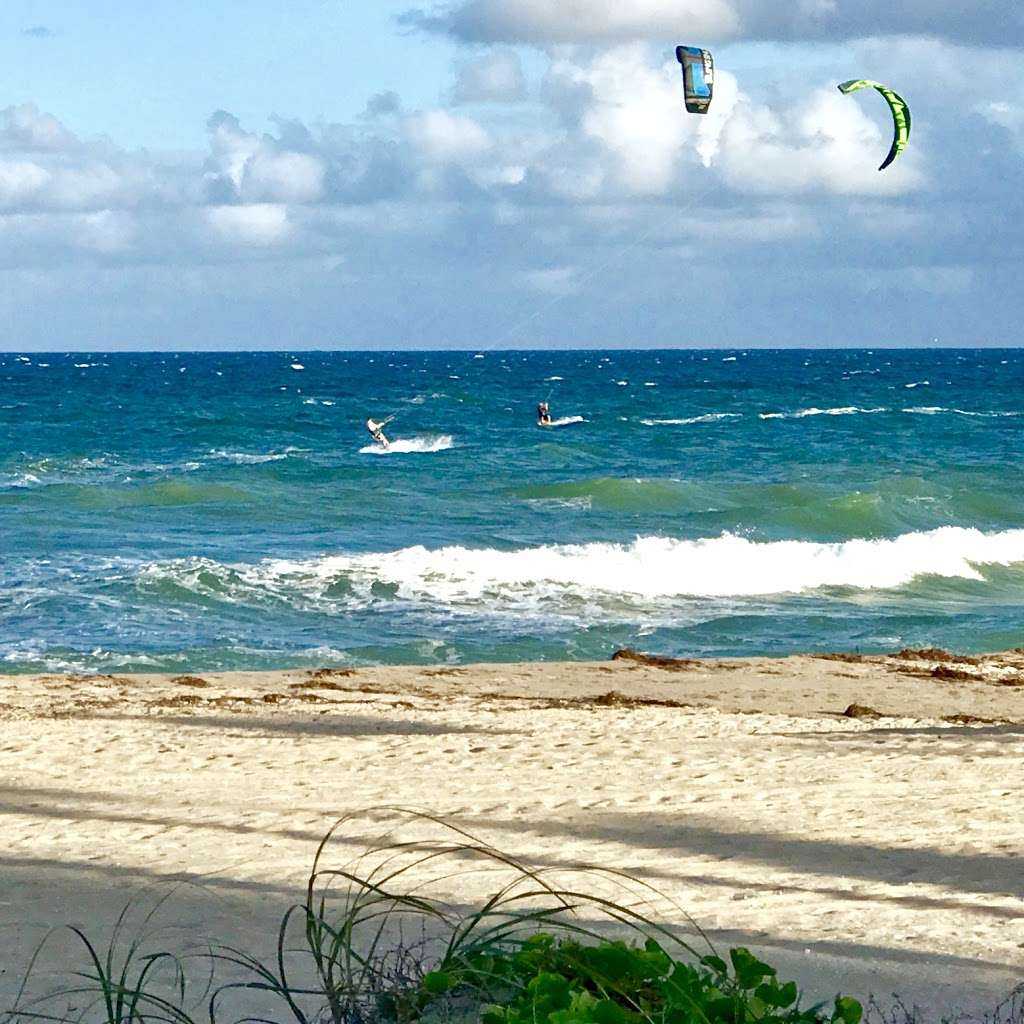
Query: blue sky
(150, 74)
(479, 173)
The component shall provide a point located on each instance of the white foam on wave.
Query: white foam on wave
(649, 572)
(248, 458)
(937, 410)
(583, 503)
(711, 417)
(840, 410)
(412, 446)
(565, 421)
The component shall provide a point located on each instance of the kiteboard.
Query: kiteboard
(565, 421)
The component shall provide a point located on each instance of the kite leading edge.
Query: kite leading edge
(900, 114)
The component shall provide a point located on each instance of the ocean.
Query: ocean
(189, 512)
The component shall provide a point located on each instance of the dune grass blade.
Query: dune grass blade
(123, 985)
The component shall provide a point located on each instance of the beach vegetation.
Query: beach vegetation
(385, 939)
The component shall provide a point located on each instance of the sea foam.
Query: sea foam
(651, 569)
(412, 446)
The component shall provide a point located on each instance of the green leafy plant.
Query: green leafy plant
(554, 946)
(543, 980)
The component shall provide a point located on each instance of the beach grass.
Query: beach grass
(381, 940)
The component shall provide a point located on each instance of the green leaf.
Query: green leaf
(721, 1008)
(612, 961)
(604, 1011)
(716, 963)
(436, 983)
(788, 995)
(847, 1011)
(775, 995)
(549, 992)
(749, 970)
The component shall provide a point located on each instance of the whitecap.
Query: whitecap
(711, 417)
(412, 446)
(247, 458)
(841, 410)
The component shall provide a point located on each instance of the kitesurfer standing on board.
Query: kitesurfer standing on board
(377, 433)
(543, 414)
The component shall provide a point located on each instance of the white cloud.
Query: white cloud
(255, 169)
(544, 22)
(823, 142)
(442, 137)
(254, 224)
(569, 21)
(27, 184)
(283, 177)
(495, 78)
(91, 185)
(26, 128)
(940, 281)
(635, 112)
(105, 231)
(20, 180)
(1006, 115)
(628, 133)
(556, 281)
(600, 185)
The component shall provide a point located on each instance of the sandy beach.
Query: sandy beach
(878, 851)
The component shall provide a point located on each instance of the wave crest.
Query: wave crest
(607, 577)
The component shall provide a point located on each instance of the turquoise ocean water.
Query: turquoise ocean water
(204, 511)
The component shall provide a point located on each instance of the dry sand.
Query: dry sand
(868, 854)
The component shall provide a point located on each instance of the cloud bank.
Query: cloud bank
(541, 22)
(577, 204)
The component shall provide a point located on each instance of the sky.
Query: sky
(506, 173)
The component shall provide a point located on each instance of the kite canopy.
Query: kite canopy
(900, 115)
(698, 77)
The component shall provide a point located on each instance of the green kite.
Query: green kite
(900, 115)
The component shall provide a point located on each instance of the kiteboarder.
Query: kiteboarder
(377, 432)
(543, 415)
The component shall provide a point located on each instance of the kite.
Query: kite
(698, 77)
(900, 115)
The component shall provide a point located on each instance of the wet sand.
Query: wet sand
(877, 851)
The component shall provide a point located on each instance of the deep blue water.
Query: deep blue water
(202, 511)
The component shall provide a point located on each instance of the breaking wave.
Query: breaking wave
(602, 576)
